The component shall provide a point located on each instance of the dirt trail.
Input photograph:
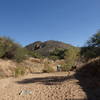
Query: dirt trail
(47, 86)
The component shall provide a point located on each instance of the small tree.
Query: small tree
(71, 56)
(94, 41)
(92, 49)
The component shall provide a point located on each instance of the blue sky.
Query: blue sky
(69, 21)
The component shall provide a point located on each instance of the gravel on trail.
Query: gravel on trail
(44, 86)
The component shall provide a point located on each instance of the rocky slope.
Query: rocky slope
(44, 48)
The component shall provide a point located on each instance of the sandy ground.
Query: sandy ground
(45, 86)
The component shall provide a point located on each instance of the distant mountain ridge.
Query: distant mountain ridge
(44, 48)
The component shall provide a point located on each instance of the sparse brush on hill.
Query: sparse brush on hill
(70, 55)
(58, 53)
(7, 47)
(53, 50)
(20, 54)
(47, 47)
(11, 50)
(34, 54)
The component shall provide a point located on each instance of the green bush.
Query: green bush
(94, 41)
(34, 54)
(72, 55)
(2, 51)
(53, 58)
(90, 52)
(11, 50)
(58, 53)
(92, 48)
(7, 47)
(47, 68)
(66, 67)
(20, 54)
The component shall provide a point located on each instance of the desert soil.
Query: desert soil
(43, 86)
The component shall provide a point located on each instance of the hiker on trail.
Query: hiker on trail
(59, 69)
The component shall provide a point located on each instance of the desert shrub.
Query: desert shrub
(2, 51)
(53, 58)
(34, 54)
(66, 67)
(47, 68)
(11, 50)
(58, 53)
(7, 47)
(94, 41)
(92, 48)
(72, 55)
(20, 54)
(90, 52)
(19, 71)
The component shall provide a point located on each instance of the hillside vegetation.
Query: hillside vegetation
(11, 50)
(47, 47)
(56, 70)
(68, 56)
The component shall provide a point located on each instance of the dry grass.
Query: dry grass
(9, 68)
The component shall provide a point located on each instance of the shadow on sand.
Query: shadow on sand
(89, 79)
(53, 80)
(88, 76)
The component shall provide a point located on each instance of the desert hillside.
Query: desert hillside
(45, 48)
(62, 72)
